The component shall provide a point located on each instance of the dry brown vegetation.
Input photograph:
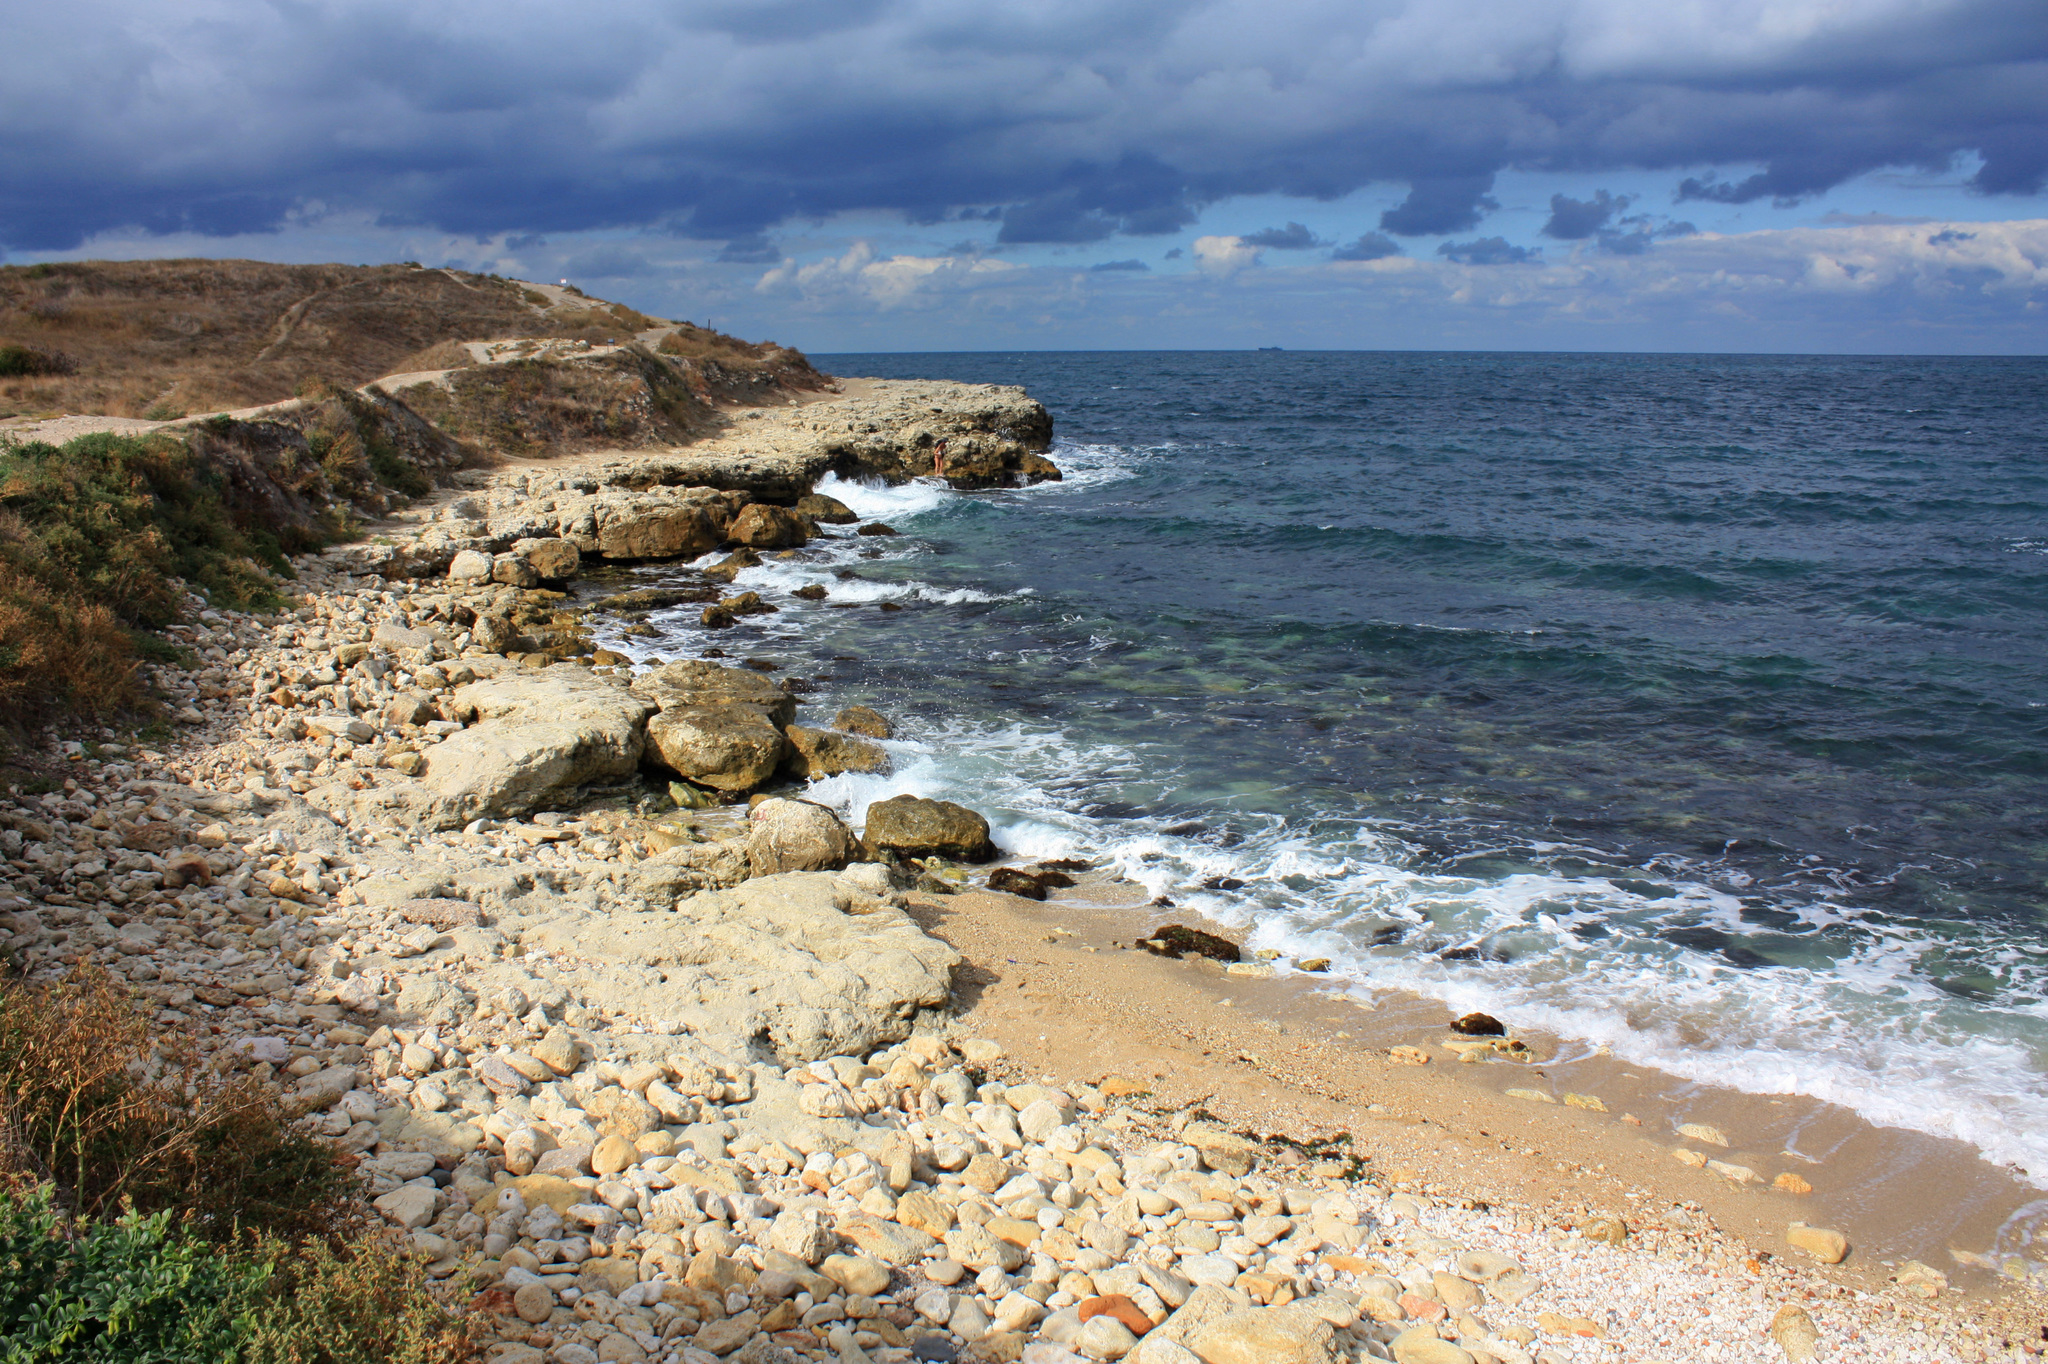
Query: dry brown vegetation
(116, 1112)
(202, 335)
(200, 1194)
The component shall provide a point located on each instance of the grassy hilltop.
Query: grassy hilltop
(271, 435)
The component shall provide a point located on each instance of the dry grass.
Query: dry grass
(202, 336)
(118, 1113)
(533, 408)
(149, 1152)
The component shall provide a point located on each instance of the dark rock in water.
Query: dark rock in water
(654, 598)
(862, 720)
(1479, 1025)
(1472, 954)
(810, 592)
(1161, 902)
(830, 510)
(1065, 864)
(1012, 881)
(748, 604)
(1392, 933)
(717, 617)
(1222, 883)
(917, 827)
(876, 528)
(1184, 830)
(1051, 877)
(1176, 940)
(761, 665)
(892, 606)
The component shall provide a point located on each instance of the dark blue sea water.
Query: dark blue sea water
(1694, 706)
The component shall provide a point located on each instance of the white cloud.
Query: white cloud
(1224, 256)
(890, 282)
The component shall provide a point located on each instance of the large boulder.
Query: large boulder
(824, 753)
(803, 964)
(1266, 1335)
(916, 827)
(795, 835)
(760, 526)
(728, 748)
(536, 740)
(830, 510)
(629, 529)
(552, 558)
(700, 682)
(722, 727)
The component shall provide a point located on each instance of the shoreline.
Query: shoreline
(1280, 1052)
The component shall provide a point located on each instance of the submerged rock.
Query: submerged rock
(823, 753)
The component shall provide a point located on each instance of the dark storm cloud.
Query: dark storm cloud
(718, 120)
(753, 249)
(1439, 205)
(1372, 246)
(1293, 237)
(1574, 220)
(1490, 251)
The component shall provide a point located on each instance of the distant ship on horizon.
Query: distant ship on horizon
(1272, 348)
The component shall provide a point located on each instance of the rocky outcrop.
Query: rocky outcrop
(973, 435)
(759, 526)
(719, 727)
(916, 827)
(800, 965)
(537, 740)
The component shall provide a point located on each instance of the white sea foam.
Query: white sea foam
(1860, 1029)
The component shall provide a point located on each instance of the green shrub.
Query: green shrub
(132, 1291)
(92, 536)
(28, 362)
(142, 1290)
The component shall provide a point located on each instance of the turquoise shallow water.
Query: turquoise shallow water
(1697, 706)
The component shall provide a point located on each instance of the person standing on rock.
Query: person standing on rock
(939, 460)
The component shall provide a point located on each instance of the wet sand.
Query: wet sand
(1061, 986)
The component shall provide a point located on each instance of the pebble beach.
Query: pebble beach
(684, 1078)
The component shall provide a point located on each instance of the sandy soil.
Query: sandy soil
(1061, 986)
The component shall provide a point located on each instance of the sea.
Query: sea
(1693, 706)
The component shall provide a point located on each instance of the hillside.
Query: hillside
(166, 339)
(167, 425)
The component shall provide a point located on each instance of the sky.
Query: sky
(861, 175)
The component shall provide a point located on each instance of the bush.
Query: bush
(132, 1291)
(356, 1302)
(92, 536)
(142, 1290)
(99, 1100)
(27, 362)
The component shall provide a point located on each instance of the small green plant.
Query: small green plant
(131, 1291)
(163, 412)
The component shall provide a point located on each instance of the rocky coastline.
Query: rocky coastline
(665, 1068)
